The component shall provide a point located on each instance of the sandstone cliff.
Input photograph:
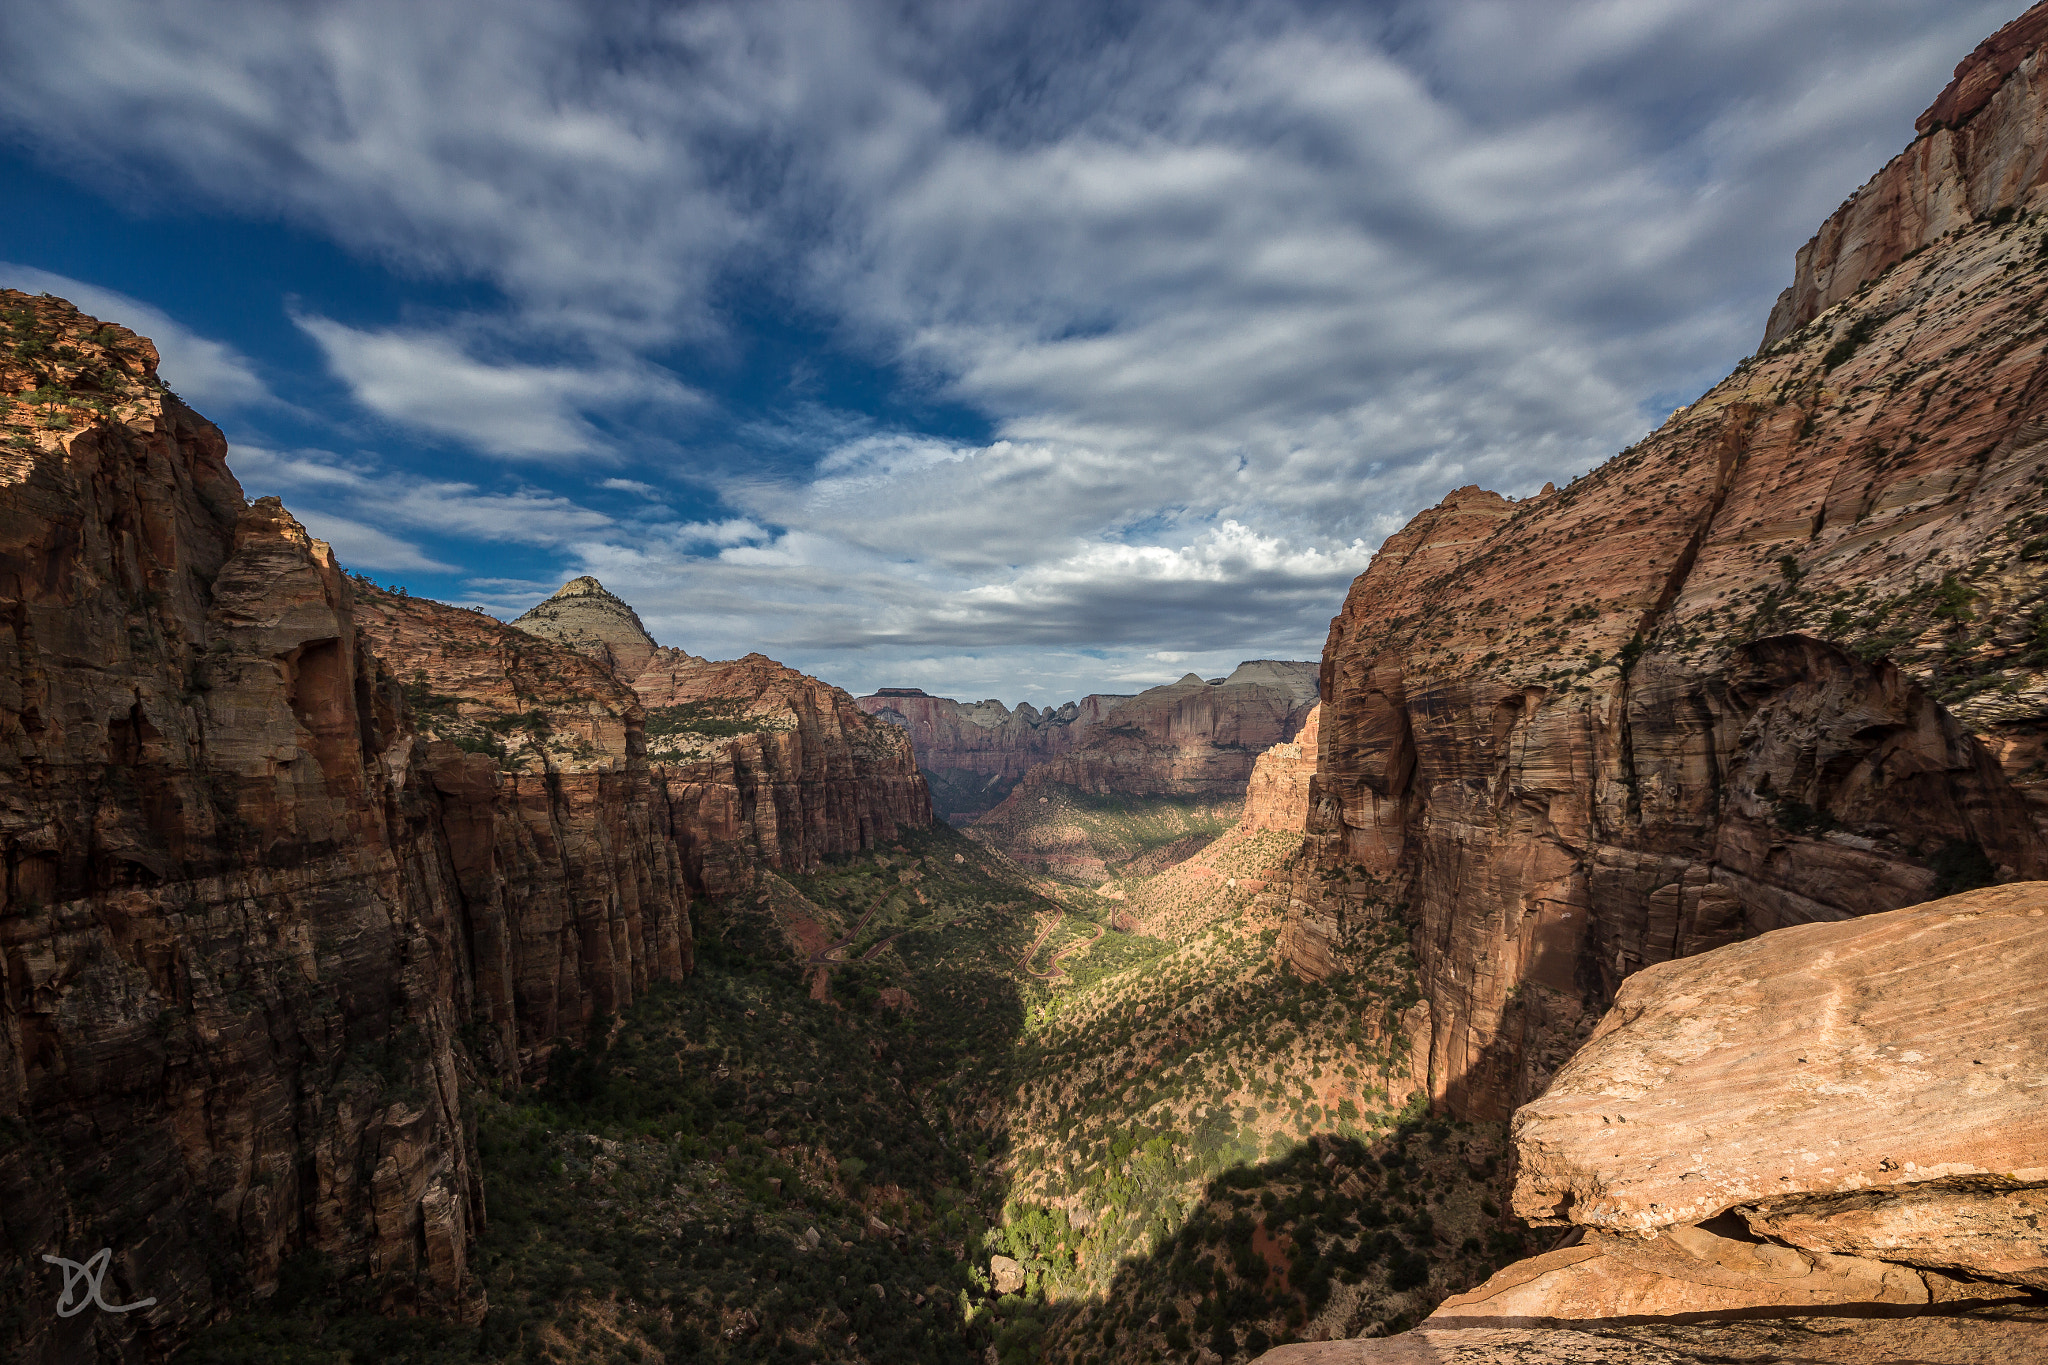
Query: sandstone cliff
(568, 864)
(251, 902)
(1784, 661)
(1188, 738)
(974, 753)
(1981, 150)
(756, 764)
(232, 957)
(761, 763)
(1276, 794)
(1824, 1144)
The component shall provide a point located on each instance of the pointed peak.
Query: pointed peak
(586, 586)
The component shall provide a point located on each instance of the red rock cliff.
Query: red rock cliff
(759, 762)
(248, 903)
(231, 961)
(1188, 738)
(974, 753)
(1784, 661)
(1982, 149)
(562, 848)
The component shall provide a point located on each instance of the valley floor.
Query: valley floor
(925, 1102)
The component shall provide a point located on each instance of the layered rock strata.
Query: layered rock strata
(1867, 1089)
(763, 765)
(1783, 662)
(581, 615)
(757, 765)
(565, 852)
(251, 900)
(1276, 794)
(974, 753)
(1194, 737)
(1830, 1136)
(232, 950)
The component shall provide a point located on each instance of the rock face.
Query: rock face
(569, 867)
(1189, 738)
(582, 616)
(232, 951)
(1833, 1121)
(1981, 149)
(974, 753)
(1783, 662)
(1869, 1088)
(258, 882)
(762, 764)
(1276, 795)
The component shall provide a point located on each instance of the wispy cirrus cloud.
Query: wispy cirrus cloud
(1237, 286)
(430, 382)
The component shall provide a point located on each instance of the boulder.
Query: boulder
(1005, 1274)
(1867, 1088)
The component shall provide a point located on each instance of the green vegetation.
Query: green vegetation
(712, 718)
(1177, 1141)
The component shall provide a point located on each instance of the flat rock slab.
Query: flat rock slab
(2006, 1335)
(1900, 1052)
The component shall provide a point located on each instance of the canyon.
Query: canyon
(1663, 857)
(291, 860)
(1192, 738)
(1781, 662)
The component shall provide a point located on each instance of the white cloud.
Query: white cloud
(427, 381)
(1240, 286)
(314, 483)
(211, 374)
(365, 547)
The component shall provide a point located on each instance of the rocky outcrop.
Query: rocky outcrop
(582, 616)
(569, 866)
(1194, 737)
(1869, 1088)
(1783, 662)
(231, 947)
(974, 753)
(763, 765)
(1276, 794)
(1982, 150)
(1830, 1122)
(259, 880)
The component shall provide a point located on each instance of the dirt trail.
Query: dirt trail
(1053, 964)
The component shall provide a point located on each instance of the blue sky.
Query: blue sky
(1017, 350)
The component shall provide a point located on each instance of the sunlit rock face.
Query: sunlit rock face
(1783, 662)
(975, 753)
(581, 615)
(764, 766)
(1825, 1143)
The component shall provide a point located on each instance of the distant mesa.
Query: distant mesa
(901, 692)
(583, 616)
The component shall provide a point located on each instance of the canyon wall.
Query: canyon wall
(761, 764)
(974, 753)
(251, 901)
(1188, 738)
(1276, 794)
(756, 764)
(1784, 661)
(231, 949)
(563, 848)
